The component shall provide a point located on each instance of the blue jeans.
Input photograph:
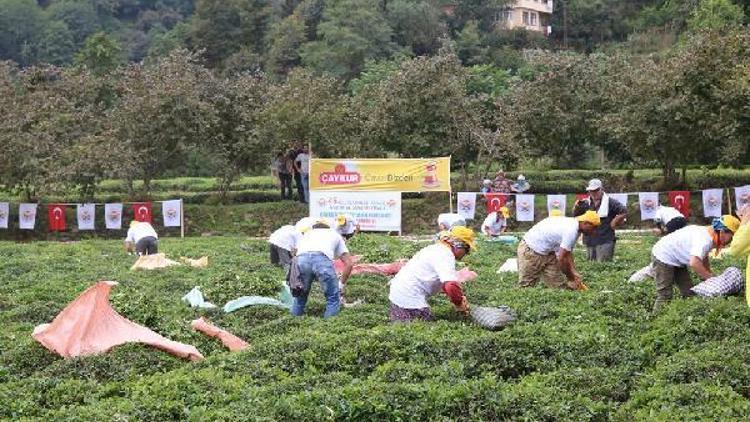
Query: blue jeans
(306, 186)
(317, 266)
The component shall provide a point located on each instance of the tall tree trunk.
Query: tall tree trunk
(464, 176)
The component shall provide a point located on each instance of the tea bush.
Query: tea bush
(596, 355)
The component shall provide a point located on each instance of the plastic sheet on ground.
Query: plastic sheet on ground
(195, 299)
(505, 239)
(152, 262)
(245, 301)
(509, 266)
(231, 341)
(89, 325)
(388, 269)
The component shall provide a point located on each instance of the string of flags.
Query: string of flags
(648, 202)
(86, 213)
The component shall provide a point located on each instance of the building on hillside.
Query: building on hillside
(533, 15)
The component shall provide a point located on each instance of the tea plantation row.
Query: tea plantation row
(596, 355)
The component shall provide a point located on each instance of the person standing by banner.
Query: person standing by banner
(142, 238)
(282, 170)
(600, 244)
(302, 166)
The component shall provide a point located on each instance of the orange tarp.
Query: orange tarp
(230, 340)
(89, 325)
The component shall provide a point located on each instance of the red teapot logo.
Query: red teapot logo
(430, 175)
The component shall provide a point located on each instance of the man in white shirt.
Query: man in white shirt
(302, 164)
(687, 248)
(283, 245)
(431, 270)
(496, 222)
(446, 221)
(346, 226)
(142, 238)
(668, 220)
(316, 251)
(546, 251)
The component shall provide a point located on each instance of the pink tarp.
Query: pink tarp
(390, 269)
(230, 340)
(89, 325)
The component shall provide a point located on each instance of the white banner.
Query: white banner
(524, 207)
(4, 215)
(26, 216)
(373, 211)
(649, 202)
(85, 213)
(466, 204)
(620, 197)
(113, 216)
(712, 199)
(556, 202)
(172, 212)
(742, 196)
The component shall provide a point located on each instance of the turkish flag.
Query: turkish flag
(581, 196)
(142, 211)
(495, 201)
(56, 217)
(680, 199)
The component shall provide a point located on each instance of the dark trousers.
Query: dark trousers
(286, 185)
(666, 277)
(146, 246)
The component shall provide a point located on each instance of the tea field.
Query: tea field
(594, 355)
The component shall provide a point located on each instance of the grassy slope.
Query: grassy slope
(596, 355)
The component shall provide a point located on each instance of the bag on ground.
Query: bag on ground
(492, 318)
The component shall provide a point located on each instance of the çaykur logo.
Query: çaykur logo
(346, 173)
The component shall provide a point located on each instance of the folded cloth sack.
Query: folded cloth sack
(389, 269)
(244, 301)
(642, 274)
(725, 284)
(89, 325)
(151, 262)
(201, 262)
(509, 266)
(196, 300)
(230, 340)
(492, 318)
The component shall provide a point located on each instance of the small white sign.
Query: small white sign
(466, 204)
(649, 203)
(172, 212)
(27, 216)
(712, 199)
(86, 213)
(113, 216)
(372, 211)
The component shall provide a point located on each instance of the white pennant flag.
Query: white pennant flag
(712, 202)
(620, 197)
(86, 213)
(113, 216)
(742, 196)
(171, 211)
(27, 216)
(4, 215)
(649, 202)
(524, 207)
(466, 204)
(556, 202)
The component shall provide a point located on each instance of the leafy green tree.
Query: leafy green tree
(21, 24)
(80, 17)
(352, 31)
(164, 43)
(416, 25)
(56, 45)
(469, 46)
(716, 14)
(101, 54)
(376, 72)
(284, 40)
(484, 12)
(224, 27)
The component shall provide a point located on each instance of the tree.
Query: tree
(284, 40)
(161, 111)
(352, 31)
(21, 23)
(101, 54)
(717, 15)
(78, 15)
(56, 45)
(469, 46)
(416, 25)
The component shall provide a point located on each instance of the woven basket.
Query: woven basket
(492, 318)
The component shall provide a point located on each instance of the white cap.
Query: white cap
(594, 184)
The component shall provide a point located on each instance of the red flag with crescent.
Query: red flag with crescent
(680, 200)
(495, 201)
(56, 217)
(142, 211)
